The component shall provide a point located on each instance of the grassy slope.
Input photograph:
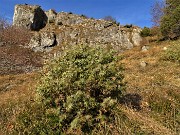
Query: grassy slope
(151, 105)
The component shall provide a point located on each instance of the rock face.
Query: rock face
(68, 19)
(70, 29)
(90, 31)
(31, 17)
(51, 15)
(43, 41)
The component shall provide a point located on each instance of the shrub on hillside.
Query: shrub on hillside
(170, 22)
(128, 26)
(81, 89)
(172, 53)
(111, 19)
(145, 32)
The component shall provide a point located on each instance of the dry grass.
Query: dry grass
(15, 92)
(159, 86)
(155, 89)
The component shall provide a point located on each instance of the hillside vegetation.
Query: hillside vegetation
(68, 74)
(149, 106)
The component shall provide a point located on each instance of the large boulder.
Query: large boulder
(42, 41)
(51, 15)
(29, 16)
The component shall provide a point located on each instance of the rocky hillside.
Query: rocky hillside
(151, 103)
(58, 29)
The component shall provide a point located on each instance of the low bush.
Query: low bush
(128, 26)
(79, 91)
(145, 32)
(172, 53)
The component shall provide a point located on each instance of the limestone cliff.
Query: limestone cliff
(67, 28)
(29, 16)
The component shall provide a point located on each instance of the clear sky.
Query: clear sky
(135, 12)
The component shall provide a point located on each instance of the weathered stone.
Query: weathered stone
(63, 18)
(165, 48)
(73, 29)
(51, 15)
(31, 17)
(42, 41)
(145, 48)
(136, 38)
(143, 64)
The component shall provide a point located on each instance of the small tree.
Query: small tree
(3, 23)
(110, 18)
(170, 23)
(157, 12)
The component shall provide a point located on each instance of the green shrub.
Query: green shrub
(170, 24)
(145, 32)
(172, 53)
(80, 89)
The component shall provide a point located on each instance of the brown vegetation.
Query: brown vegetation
(151, 105)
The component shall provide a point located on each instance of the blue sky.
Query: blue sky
(135, 12)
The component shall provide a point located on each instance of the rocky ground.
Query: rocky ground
(15, 59)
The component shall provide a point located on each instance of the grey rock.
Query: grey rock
(136, 38)
(73, 29)
(43, 41)
(63, 18)
(145, 48)
(51, 15)
(1, 44)
(143, 64)
(29, 16)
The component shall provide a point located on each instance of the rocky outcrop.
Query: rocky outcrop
(68, 19)
(31, 17)
(51, 15)
(94, 32)
(43, 41)
(70, 29)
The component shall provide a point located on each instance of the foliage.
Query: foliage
(128, 25)
(172, 53)
(170, 22)
(81, 89)
(145, 32)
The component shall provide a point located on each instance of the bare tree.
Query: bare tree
(109, 18)
(157, 12)
(3, 23)
(13, 35)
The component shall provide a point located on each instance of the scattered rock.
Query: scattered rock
(29, 16)
(1, 44)
(145, 48)
(143, 64)
(165, 48)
